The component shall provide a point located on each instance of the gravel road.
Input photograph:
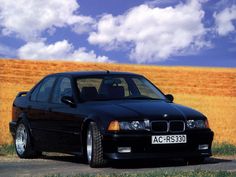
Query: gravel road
(69, 165)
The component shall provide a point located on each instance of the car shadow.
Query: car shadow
(62, 157)
(132, 164)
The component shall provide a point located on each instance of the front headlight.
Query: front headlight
(132, 125)
(135, 125)
(197, 124)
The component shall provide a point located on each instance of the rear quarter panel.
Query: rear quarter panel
(19, 107)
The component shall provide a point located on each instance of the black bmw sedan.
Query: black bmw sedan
(106, 116)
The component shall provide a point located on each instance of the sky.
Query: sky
(153, 32)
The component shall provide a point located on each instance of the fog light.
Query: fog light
(203, 146)
(124, 149)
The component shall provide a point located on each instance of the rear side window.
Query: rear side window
(63, 88)
(45, 89)
(35, 93)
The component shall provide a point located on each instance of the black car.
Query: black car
(106, 116)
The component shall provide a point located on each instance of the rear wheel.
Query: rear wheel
(23, 142)
(94, 147)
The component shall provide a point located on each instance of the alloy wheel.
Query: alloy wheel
(21, 139)
(89, 145)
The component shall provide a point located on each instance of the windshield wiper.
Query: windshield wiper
(142, 98)
(98, 99)
(125, 98)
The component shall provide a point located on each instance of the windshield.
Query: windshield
(116, 87)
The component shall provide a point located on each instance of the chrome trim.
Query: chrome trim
(21, 139)
(89, 146)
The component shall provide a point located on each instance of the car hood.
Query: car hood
(151, 109)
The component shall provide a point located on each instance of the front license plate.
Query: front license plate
(169, 139)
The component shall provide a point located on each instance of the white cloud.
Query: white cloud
(153, 33)
(224, 20)
(7, 52)
(29, 18)
(59, 50)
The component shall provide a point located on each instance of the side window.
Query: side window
(35, 92)
(63, 88)
(45, 89)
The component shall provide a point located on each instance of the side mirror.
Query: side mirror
(170, 97)
(68, 100)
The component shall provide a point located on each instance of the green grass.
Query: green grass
(195, 173)
(7, 150)
(223, 149)
(218, 149)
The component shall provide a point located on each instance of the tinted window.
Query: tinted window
(97, 82)
(63, 88)
(146, 88)
(113, 87)
(124, 84)
(35, 93)
(45, 89)
(89, 82)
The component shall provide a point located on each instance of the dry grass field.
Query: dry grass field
(209, 90)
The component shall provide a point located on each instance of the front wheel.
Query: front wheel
(23, 142)
(94, 146)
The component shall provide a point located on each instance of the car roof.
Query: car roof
(93, 73)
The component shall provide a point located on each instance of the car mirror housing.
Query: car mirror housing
(68, 100)
(170, 97)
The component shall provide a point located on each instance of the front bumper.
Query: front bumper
(141, 147)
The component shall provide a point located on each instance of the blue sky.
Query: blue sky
(155, 32)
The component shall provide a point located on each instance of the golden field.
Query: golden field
(209, 90)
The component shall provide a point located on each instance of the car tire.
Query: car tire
(23, 144)
(94, 149)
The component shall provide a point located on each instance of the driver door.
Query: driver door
(65, 122)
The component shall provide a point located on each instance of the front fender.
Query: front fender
(95, 119)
